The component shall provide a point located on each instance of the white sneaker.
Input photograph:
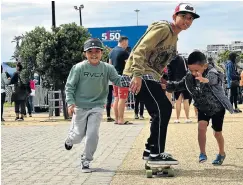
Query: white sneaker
(177, 121)
(85, 167)
(188, 121)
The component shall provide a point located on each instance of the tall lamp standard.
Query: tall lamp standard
(137, 15)
(80, 12)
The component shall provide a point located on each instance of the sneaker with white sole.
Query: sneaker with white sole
(141, 117)
(85, 167)
(163, 159)
(146, 152)
(177, 121)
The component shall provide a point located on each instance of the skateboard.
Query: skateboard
(153, 169)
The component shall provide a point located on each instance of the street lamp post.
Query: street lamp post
(137, 15)
(80, 12)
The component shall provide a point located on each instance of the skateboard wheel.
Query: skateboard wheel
(171, 173)
(165, 171)
(149, 173)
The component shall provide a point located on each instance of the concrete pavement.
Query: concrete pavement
(33, 153)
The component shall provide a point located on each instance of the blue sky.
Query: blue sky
(220, 22)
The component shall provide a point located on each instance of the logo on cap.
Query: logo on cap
(92, 43)
(189, 8)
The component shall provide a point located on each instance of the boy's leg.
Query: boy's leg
(203, 121)
(217, 124)
(220, 140)
(78, 126)
(157, 103)
(92, 133)
(202, 129)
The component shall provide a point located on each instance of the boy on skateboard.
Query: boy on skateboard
(204, 83)
(143, 72)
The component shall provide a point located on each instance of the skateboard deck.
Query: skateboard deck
(163, 170)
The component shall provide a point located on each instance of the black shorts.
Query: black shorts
(217, 119)
(185, 94)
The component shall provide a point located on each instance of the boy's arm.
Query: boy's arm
(170, 71)
(71, 85)
(113, 76)
(213, 79)
(154, 36)
(172, 86)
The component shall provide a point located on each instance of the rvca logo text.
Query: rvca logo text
(96, 75)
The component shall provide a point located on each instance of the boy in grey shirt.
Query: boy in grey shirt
(86, 91)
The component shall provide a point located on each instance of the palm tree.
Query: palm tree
(16, 52)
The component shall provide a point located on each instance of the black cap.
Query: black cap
(93, 43)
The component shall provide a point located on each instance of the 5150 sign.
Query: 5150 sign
(110, 36)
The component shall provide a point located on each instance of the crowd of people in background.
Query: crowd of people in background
(21, 95)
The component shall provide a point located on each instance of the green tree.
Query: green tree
(60, 50)
(105, 55)
(28, 50)
(17, 39)
(222, 57)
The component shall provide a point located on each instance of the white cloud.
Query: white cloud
(214, 26)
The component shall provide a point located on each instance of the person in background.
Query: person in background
(118, 57)
(233, 79)
(177, 69)
(138, 108)
(5, 80)
(21, 92)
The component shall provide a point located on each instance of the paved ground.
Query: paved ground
(33, 153)
(182, 143)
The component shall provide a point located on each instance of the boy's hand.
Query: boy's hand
(71, 110)
(163, 83)
(201, 79)
(135, 85)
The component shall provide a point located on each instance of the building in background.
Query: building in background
(110, 35)
(214, 49)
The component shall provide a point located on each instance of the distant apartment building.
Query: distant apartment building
(236, 46)
(214, 49)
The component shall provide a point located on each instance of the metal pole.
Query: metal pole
(137, 15)
(80, 16)
(53, 14)
(57, 110)
(137, 18)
